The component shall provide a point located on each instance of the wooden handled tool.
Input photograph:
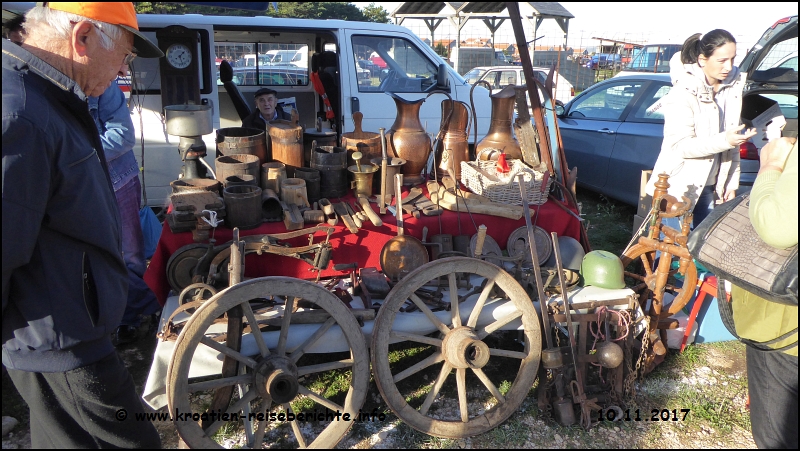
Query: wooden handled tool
(384, 164)
(341, 210)
(374, 218)
(479, 242)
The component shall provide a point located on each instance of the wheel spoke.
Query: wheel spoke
(506, 353)
(228, 352)
(476, 311)
(295, 356)
(287, 320)
(219, 383)
(433, 318)
(262, 425)
(319, 399)
(435, 389)
(322, 367)
(236, 408)
(648, 269)
(488, 384)
(436, 357)
(498, 324)
(296, 428)
(461, 382)
(408, 336)
(251, 318)
(454, 310)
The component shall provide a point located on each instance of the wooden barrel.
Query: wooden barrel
(293, 191)
(322, 138)
(240, 179)
(242, 206)
(272, 173)
(286, 144)
(368, 143)
(238, 164)
(332, 165)
(242, 140)
(311, 176)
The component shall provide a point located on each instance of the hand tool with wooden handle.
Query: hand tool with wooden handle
(352, 214)
(537, 275)
(480, 240)
(384, 164)
(341, 210)
(373, 217)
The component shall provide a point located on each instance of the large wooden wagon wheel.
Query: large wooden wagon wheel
(279, 371)
(642, 276)
(493, 374)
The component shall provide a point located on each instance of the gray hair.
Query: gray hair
(56, 24)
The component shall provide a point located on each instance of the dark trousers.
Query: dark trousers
(83, 408)
(772, 385)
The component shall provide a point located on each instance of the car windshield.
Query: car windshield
(653, 58)
(474, 75)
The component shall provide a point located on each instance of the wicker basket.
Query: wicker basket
(481, 177)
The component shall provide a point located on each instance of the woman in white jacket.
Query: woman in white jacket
(702, 134)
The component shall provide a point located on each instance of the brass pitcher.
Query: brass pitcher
(500, 137)
(407, 139)
(454, 147)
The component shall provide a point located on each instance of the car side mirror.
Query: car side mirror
(442, 80)
(560, 110)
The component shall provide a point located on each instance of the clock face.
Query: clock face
(179, 56)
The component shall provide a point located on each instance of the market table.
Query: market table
(363, 248)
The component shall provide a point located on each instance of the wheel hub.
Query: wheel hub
(462, 349)
(276, 377)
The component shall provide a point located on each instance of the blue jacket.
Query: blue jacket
(64, 280)
(116, 134)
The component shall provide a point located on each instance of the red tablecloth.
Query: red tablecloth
(363, 248)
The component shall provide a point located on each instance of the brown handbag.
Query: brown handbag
(727, 244)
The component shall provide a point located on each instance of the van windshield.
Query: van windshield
(474, 75)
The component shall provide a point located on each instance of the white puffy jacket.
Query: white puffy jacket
(692, 134)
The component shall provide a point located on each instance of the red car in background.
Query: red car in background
(378, 61)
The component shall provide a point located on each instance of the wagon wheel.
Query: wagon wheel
(640, 275)
(280, 371)
(467, 339)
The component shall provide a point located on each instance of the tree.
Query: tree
(441, 50)
(377, 14)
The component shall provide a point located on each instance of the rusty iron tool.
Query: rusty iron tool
(341, 210)
(535, 259)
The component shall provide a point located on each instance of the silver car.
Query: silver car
(613, 130)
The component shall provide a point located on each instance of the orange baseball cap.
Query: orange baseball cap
(115, 13)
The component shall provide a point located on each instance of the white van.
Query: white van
(501, 76)
(413, 71)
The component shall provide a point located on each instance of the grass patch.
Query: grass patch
(609, 223)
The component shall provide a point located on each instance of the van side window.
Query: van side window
(265, 64)
(389, 64)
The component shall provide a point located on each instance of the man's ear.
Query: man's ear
(81, 36)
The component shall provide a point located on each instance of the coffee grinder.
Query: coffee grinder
(190, 123)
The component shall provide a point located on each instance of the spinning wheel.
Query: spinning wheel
(466, 340)
(642, 276)
(276, 371)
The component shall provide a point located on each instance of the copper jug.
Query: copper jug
(454, 147)
(500, 137)
(407, 139)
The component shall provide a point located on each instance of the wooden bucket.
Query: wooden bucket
(242, 206)
(242, 140)
(332, 165)
(272, 173)
(293, 191)
(368, 143)
(323, 138)
(194, 185)
(238, 164)
(286, 144)
(311, 176)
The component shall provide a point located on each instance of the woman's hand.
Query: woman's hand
(728, 195)
(735, 139)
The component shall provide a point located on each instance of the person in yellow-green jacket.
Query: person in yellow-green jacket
(772, 376)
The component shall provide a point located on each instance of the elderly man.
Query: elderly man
(266, 110)
(64, 278)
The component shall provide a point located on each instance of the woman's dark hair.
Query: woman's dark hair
(694, 46)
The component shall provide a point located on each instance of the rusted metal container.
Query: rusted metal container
(243, 140)
(286, 144)
(238, 164)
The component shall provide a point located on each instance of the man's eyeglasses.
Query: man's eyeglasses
(129, 57)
